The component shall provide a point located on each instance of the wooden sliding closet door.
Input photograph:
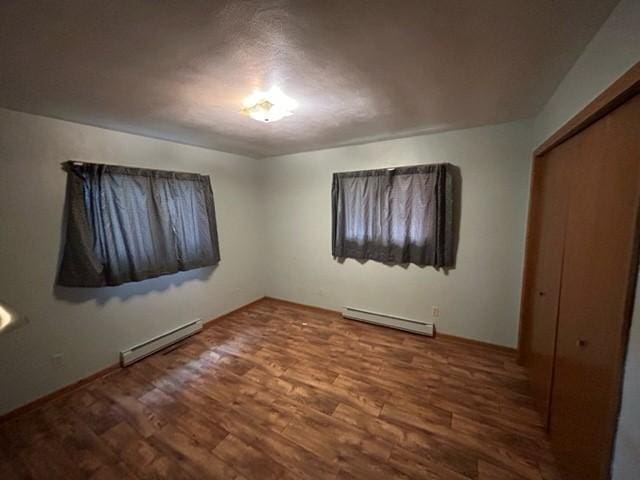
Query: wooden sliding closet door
(548, 219)
(597, 280)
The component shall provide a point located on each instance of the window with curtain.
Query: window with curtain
(128, 224)
(395, 215)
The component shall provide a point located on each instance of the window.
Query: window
(394, 215)
(129, 224)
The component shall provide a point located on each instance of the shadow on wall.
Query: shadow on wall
(456, 177)
(102, 295)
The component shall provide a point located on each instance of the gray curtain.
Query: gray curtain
(129, 224)
(398, 215)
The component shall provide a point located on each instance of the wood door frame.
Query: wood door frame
(623, 89)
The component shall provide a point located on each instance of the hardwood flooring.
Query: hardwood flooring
(278, 391)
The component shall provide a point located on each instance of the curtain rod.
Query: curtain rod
(65, 165)
(73, 162)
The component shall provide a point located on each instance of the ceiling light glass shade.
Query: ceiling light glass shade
(269, 106)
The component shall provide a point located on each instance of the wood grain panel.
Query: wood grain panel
(599, 271)
(539, 340)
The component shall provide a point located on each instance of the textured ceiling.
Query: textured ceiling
(361, 69)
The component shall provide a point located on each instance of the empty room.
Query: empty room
(320, 239)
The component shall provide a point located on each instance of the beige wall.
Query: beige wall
(89, 327)
(612, 51)
(478, 299)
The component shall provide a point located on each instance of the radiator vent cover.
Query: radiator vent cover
(414, 326)
(127, 357)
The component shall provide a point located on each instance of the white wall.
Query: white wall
(612, 51)
(626, 465)
(90, 326)
(478, 299)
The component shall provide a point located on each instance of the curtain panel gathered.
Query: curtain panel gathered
(396, 215)
(129, 224)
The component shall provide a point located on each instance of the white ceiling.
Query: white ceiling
(361, 69)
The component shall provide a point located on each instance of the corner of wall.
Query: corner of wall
(614, 49)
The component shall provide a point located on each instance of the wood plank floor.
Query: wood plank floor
(277, 391)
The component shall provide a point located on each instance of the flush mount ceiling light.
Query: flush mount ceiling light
(269, 106)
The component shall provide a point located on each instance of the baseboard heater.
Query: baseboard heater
(160, 342)
(414, 326)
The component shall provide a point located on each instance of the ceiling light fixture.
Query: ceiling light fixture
(269, 106)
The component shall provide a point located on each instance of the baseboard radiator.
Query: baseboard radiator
(414, 326)
(160, 342)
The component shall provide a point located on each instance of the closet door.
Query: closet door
(548, 225)
(596, 293)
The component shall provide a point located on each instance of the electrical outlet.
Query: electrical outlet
(57, 360)
(435, 311)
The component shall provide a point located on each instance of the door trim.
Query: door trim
(618, 93)
(627, 86)
(623, 89)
